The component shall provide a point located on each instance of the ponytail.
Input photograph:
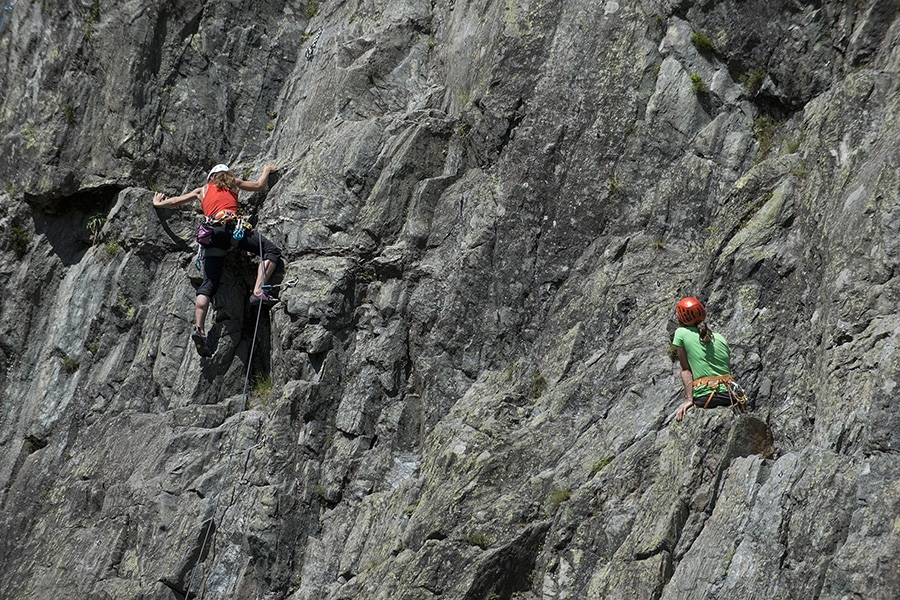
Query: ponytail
(225, 180)
(705, 333)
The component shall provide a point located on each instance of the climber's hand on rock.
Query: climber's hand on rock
(679, 414)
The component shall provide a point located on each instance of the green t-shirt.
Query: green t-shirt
(705, 360)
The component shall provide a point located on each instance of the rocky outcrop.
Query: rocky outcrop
(487, 211)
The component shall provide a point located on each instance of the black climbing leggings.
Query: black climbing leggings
(212, 265)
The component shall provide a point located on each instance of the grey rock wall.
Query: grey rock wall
(487, 210)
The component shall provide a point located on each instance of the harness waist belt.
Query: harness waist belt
(222, 216)
(735, 393)
(713, 381)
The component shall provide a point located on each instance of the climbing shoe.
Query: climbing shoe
(200, 342)
(263, 298)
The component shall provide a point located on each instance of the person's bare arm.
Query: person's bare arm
(260, 184)
(160, 200)
(687, 379)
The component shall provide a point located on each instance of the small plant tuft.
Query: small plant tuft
(700, 86)
(764, 129)
(111, 248)
(753, 80)
(126, 308)
(672, 352)
(558, 496)
(270, 126)
(509, 372)
(320, 493)
(93, 17)
(262, 387)
(312, 8)
(538, 386)
(793, 144)
(21, 240)
(616, 186)
(69, 365)
(702, 43)
(800, 170)
(95, 225)
(478, 539)
(600, 465)
(69, 112)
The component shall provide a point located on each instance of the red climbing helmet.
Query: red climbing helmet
(690, 311)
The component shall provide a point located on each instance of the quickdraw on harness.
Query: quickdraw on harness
(735, 392)
(224, 217)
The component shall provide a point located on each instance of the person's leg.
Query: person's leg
(212, 274)
(265, 270)
(201, 307)
(253, 243)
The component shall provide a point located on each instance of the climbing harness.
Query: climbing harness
(311, 50)
(736, 393)
(232, 453)
(223, 218)
(6, 9)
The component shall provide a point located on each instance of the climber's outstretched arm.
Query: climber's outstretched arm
(260, 184)
(160, 200)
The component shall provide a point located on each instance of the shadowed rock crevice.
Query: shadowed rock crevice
(72, 222)
(505, 572)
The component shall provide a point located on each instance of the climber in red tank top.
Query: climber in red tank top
(219, 201)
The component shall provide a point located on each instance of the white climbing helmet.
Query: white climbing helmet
(220, 168)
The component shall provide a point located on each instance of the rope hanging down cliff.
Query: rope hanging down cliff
(231, 453)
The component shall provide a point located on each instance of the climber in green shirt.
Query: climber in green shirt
(705, 361)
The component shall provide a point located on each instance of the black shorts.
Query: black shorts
(212, 265)
(719, 399)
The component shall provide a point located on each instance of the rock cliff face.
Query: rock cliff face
(488, 209)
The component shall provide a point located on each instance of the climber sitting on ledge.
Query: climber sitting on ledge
(705, 359)
(223, 230)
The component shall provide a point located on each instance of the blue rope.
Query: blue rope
(6, 9)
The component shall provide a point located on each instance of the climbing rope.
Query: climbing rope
(6, 9)
(231, 453)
